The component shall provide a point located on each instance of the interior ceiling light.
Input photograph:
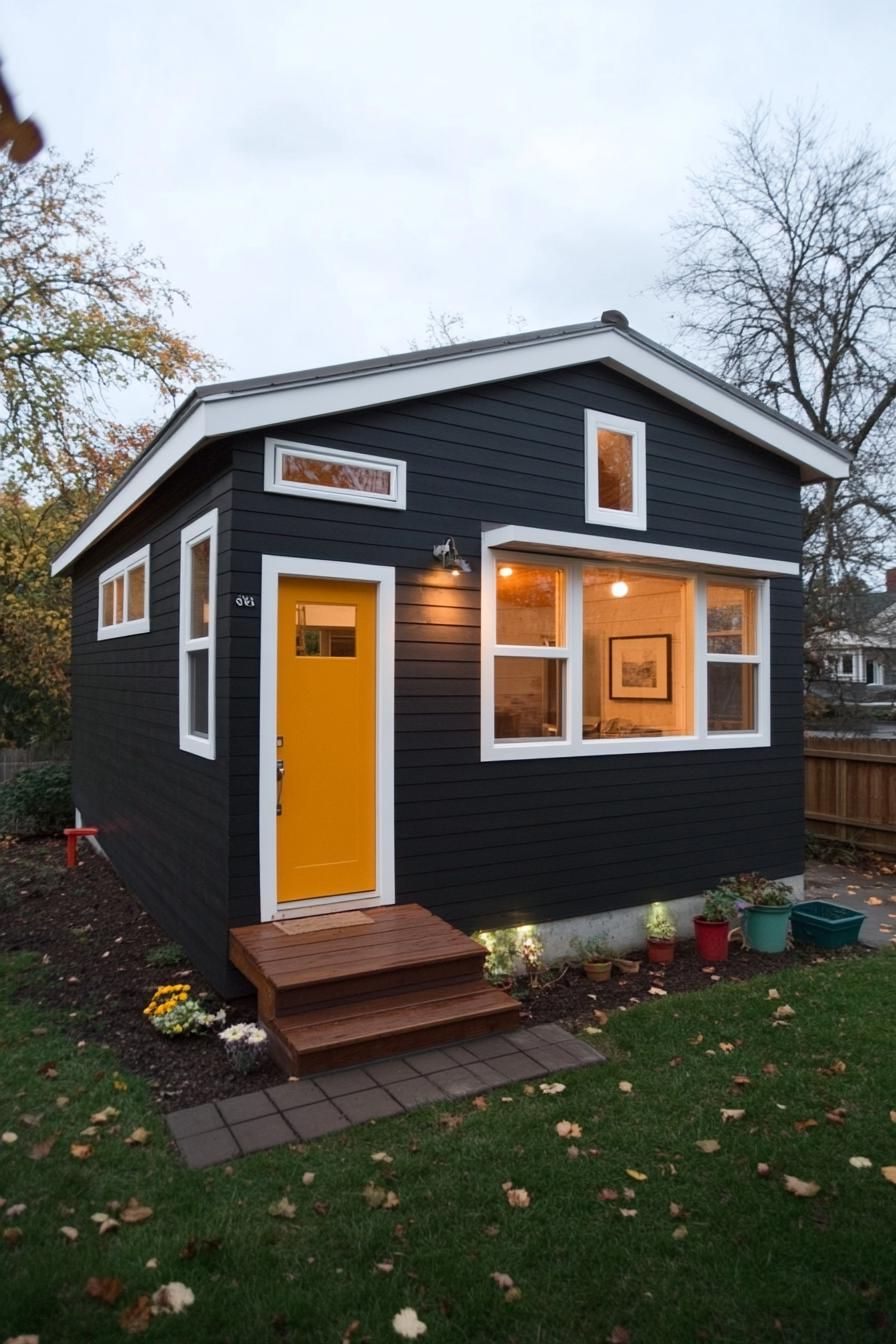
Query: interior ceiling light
(505, 571)
(619, 588)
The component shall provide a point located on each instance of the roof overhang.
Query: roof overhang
(213, 413)
(585, 546)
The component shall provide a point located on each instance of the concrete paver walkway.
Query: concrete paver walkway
(847, 886)
(312, 1107)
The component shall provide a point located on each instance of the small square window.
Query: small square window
(615, 467)
(124, 597)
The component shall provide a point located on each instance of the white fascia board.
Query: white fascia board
(543, 540)
(164, 458)
(231, 412)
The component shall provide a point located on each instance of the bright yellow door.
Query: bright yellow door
(326, 727)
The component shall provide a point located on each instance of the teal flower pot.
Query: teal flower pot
(765, 927)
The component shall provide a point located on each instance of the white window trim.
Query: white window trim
(272, 567)
(572, 743)
(636, 518)
(275, 449)
(198, 530)
(121, 569)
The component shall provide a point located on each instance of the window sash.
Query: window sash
(572, 741)
(277, 450)
(630, 519)
(197, 724)
(115, 592)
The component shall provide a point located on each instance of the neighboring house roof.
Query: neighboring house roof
(220, 409)
(875, 627)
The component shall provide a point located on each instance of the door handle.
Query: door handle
(281, 771)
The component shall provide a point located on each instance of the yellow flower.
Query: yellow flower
(178, 1028)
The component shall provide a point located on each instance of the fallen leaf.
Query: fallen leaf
(70, 1233)
(567, 1129)
(726, 1047)
(625, 1087)
(773, 994)
(480, 1103)
(770, 1069)
(381, 1157)
(728, 1114)
(48, 1070)
(104, 1116)
(607, 1193)
(528, 1089)
(893, 1117)
(636, 1175)
(322, 1209)
(628, 1192)
(629, 1213)
(384, 1266)
(708, 1145)
(81, 1151)
(119, 1085)
(283, 1208)
(889, 1174)
(9, 1137)
(741, 1080)
(552, 1089)
(171, 1299)
(802, 1125)
(136, 1318)
(762, 1169)
(674, 1063)
(836, 1066)
(15, 1210)
(138, 1138)
(679, 1233)
(135, 1212)
(805, 1189)
(348, 1333)
(448, 1121)
(108, 1225)
(572, 1151)
(837, 1116)
(600, 1017)
(860, 1162)
(377, 1198)
(31, 1120)
(513, 1294)
(707, 970)
(407, 1324)
(696, 1040)
(619, 1335)
(104, 1290)
(660, 993)
(90, 1132)
(308, 1178)
(785, 1011)
(503, 1281)
(518, 1198)
(874, 900)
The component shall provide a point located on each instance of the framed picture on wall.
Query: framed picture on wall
(641, 667)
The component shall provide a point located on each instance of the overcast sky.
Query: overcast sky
(319, 175)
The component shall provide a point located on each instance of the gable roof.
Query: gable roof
(219, 409)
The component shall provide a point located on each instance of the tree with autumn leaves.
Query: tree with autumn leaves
(80, 319)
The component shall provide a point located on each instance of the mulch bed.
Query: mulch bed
(95, 980)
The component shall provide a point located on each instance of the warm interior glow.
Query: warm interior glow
(619, 588)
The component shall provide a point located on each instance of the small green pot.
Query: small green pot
(766, 926)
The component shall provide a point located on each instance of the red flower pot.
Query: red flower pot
(712, 939)
(660, 950)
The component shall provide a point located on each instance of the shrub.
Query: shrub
(174, 1012)
(659, 923)
(754, 889)
(165, 954)
(37, 802)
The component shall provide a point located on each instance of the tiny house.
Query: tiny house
(509, 632)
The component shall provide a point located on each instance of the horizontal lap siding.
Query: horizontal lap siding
(162, 812)
(490, 843)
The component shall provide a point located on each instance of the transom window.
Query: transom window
(331, 473)
(589, 656)
(124, 597)
(615, 471)
(198, 575)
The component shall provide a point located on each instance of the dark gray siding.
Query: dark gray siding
(485, 844)
(162, 812)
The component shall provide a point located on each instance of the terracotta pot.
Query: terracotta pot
(598, 970)
(627, 967)
(712, 938)
(661, 950)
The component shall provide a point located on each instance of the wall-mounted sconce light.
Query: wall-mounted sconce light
(451, 557)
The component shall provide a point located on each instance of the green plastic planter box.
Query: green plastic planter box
(825, 924)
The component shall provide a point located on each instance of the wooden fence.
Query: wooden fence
(851, 790)
(15, 759)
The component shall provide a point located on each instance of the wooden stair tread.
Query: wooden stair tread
(396, 1015)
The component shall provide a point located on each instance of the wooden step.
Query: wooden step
(330, 1038)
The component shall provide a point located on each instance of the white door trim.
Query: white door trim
(272, 567)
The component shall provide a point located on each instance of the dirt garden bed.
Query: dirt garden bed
(96, 974)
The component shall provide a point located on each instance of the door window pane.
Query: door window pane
(732, 697)
(528, 697)
(615, 471)
(730, 618)
(197, 664)
(637, 678)
(136, 593)
(337, 475)
(530, 601)
(199, 589)
(325, 630)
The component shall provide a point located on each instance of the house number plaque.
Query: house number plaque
(244, 600)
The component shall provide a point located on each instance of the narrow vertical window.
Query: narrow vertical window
(732, 653)
(198, 573)
(530, 666)
(615, 471)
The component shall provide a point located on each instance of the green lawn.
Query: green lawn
(757, 1264)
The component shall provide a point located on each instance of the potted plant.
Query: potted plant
(596, 958)
(765, 907)
(711, 928)
(660, 933)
